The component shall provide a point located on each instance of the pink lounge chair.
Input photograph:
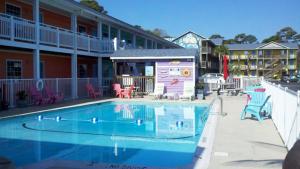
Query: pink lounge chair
(92, 93)
(117, 88)
(260, 90)
(53, 97)
(36, 96)
(127, 92)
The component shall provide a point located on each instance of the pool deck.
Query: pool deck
(238, 143)
(245, 143)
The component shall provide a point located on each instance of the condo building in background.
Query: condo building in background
(271, 60)
(208, 60)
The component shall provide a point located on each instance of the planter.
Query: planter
(22, 103)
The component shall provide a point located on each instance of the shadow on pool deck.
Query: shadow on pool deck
(245, 143)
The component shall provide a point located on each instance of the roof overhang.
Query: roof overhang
(272, 45)
(152, 57)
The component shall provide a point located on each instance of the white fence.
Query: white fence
(236, 82)
(285, 112)
(19, 29)
(10, 87)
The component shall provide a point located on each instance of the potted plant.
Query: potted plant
(21, 101)
(200, 88)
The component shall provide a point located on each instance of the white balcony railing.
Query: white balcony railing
(291, 66)
(19, 29)
(253, 67)
(292, 56)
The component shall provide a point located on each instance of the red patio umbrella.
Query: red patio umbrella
(225, 67)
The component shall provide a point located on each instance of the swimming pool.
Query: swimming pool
(133, 133)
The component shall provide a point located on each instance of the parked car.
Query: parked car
(213, 78)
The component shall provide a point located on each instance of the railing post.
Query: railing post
(56, 85)
(57, 37)
(12, 28)
(11, 93)
(89, 43)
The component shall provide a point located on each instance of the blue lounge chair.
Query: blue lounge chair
(256, 106)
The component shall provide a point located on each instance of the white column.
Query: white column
(109, 30)
(134, 41)
(36, 18)
(99, 29)
(36, 52)
(119, 35)
(146, 44)
(74, 76)
(74, 57)
(155, 45)
(100, 76)
(36, 64)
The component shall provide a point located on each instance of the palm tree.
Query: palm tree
(221, 50)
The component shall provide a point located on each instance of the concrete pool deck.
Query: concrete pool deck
(245, 143)
(238, 143)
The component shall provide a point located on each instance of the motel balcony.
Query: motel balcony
(292, 56)
(234, 57)
(253, 67)
(253, 56)
(292, 67)
(243, 57)
(203, 64)
(14, 30)
(243, 67)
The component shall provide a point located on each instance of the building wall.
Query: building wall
(163, 76)
(55, 66)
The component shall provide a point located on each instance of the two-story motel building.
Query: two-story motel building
(63, 39)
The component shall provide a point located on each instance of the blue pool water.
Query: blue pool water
(132, 133)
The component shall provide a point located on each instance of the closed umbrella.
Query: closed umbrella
(225, 67)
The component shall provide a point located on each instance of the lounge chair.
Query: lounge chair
(188, 90)
(92, 92)
(128, 92)
(36, 96)
(53, 97)
(256, 106)
(118, 90)
(158, 90)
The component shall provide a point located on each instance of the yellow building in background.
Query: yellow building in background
(271, 60)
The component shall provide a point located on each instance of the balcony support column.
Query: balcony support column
(36, 64)
(99, 30)
(109, 32)
(134, 41)
(100, 76)
(36, 18)
(74, 58)
(145, 44)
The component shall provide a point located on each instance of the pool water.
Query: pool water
(132, 133)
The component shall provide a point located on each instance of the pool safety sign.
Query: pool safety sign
(149, 70)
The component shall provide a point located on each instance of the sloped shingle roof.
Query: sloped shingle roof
(133, 53)
(257, 45)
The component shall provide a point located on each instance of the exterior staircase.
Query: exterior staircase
(274, 69)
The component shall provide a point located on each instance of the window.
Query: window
(81, 29)
(41, 19)
(13, 10)
(42, 69)
(104, 31)
(268, 53)
(246, 52)
(291, 52)
(253, 73)
(82, 70)
(253, 63)
(282, 52)
(13, 69)
(253, 52)
(291, 62)
(260, 62)
(260, 53)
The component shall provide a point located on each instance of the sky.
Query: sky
(262, 18)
